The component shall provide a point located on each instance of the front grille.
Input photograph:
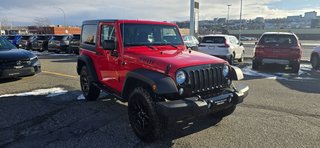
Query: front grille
(205, 78)
(12, 63)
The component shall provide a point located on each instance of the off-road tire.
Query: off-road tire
(295, 68)
(90, 92)
(225, 112)
(315, 61)
(146, 123)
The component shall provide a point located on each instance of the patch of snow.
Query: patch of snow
(81, 97)
(50, 92)
(248, 71)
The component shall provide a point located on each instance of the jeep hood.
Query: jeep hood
(176, 58)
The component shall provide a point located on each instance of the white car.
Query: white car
(226, 47)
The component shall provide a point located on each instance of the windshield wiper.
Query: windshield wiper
(149, 46)
(166, 44)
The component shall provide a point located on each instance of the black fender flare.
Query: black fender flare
(83, 59)
(163, 83)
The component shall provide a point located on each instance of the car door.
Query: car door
(237, 47)
(109, 61)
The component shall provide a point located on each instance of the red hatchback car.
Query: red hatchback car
(278, 48)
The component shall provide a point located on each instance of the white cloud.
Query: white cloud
(164, 10)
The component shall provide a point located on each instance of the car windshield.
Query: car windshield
(271, 39)
(213, 40)
(10, 37)
(25, 37)
(58, 38)
(147, 34)
(76, 37)
(41, 38)
(4, 44)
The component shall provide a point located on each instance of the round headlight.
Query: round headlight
(226, 70)
(180, 77)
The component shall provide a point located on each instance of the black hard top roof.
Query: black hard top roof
(98, 21)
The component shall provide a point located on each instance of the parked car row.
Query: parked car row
(51, 43)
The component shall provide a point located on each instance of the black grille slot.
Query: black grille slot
(206, 78)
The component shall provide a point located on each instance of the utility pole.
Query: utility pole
(228, 16)
(240, 28)
(64, 20)
(194, 17)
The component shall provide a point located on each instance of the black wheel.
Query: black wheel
(241, 58)
(225, 112)
(255, 65)
(315, 61)
(296, 68)
(144, 120)
(57, 51)
(231, 60)
(90, 92)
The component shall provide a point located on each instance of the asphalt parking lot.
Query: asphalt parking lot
(47, 110)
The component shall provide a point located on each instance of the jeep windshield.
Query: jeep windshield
(150, 35)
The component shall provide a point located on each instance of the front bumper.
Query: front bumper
(20, 72)
(196, 106)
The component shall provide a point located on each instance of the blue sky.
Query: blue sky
(23, 12)
(294, 4)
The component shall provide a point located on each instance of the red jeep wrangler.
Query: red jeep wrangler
(147, 64)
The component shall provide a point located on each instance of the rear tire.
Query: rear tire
(231, 60)
(90, 92)
(144, 120)
(241, 58)
(255, 65)
(296, 68)
(315, 61)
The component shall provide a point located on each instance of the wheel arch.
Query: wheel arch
(157, 82)
(84, 60)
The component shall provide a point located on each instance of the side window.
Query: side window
(236, 41)
(88, 35)
(107, 33)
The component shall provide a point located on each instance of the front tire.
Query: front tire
(90, 92)
(315, 61)
(144, 120)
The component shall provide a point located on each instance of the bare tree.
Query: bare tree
(4, 23)
(41, 21)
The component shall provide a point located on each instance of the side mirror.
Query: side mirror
(109, 45)
(241, 44)
(255, 43)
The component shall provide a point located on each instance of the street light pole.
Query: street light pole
(64, 19)
(228, 16)
(240, 28)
